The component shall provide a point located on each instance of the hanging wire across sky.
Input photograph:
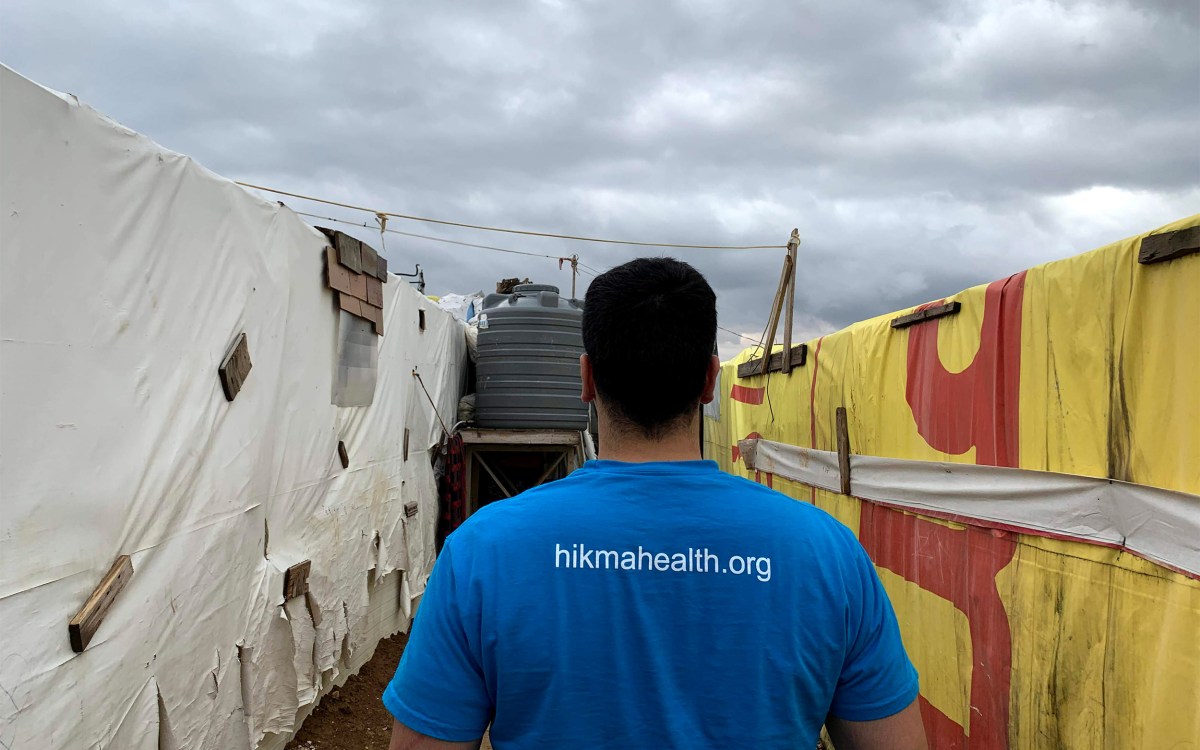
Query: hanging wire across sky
(375, 228)
(525, 232)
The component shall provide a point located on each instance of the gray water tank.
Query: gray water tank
(527, 370)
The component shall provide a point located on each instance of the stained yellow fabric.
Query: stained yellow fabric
(1105, 645)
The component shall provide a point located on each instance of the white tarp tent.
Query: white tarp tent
(126, 272)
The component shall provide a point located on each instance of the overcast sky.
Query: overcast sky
(920, 146)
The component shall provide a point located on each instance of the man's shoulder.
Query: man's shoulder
(549, 503)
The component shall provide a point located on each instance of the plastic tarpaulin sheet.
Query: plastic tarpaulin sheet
(126, 273)
(1044, 605)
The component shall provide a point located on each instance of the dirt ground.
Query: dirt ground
(352, 717)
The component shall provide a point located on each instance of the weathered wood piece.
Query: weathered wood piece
(375, 291)
(410, 509)
(754, 366)
(937, 311)
(352, 305)
(421, 319)
(776, 309)
(1169, 245)
(370, 260)
(383, 272)
(337, 276)
(349, 252)
(375, 315)
(843, 449)
(344, 455)
(406, 436)
(87, 620)
(793, 245)
(235, 367)
(295, 580)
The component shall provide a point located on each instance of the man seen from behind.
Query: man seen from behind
(650, 600)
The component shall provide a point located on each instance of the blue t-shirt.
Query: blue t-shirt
(652, 605)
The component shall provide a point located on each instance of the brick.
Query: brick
(337, 276)
(349, 252)
(350, 304)
(375, 292)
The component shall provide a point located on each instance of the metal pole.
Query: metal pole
(574, 272)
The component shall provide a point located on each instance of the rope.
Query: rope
(417, 375)
(526, 232)
(739, 335)
(430, 237)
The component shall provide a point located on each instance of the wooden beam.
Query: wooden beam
(929, 313)
(548, 471)
(843, 449)
(776, 309)
(235, 367)
(520, 437)
(793, 245)
(295, 579)
(754, 366)
(492, 474)
(87, 620)
(1169, 245)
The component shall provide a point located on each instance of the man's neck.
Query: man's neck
(680, 444)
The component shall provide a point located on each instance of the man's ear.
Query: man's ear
(589, 384)
(710, 380)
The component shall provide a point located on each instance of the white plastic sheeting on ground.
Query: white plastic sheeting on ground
(126, 272)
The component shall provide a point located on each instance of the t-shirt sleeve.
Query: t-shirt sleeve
(877, 679)
(439, 688)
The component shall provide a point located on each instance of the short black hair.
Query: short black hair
(650, 330)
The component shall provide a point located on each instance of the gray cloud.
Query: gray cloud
(919, 146)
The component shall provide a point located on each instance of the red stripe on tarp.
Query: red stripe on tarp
(747, 395)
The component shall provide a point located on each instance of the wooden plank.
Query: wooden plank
(776, 309)
(358, 286)
(343, 455)
(375, 315)
(793, 245)
(337, 276)
(295, 580)
(374, 291)
(843, 449)
(352, 305)
(754, 366)
(349, 252)
(520, 437)
(383, 272)
(87, 620)
(235, 367)
(1169, 245)
(493, 475)
(929, 313)
(370, 260)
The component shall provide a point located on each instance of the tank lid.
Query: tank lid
(534, 288)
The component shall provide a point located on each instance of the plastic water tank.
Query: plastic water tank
(527, 371)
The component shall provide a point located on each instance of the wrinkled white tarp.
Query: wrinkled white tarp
(126, 272)
(1158, 524)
